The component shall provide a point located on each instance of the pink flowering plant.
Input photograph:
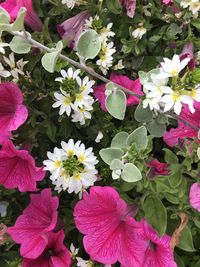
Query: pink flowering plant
(99, 133)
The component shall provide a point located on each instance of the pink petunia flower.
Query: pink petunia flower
(158, 252)
(36, 222)
(167, 2)
(173, 136)
(130, 7)
(157, 168)
(72, 28)
(17, 169)
(55, 254)
(188, 52)
(12, 111)
(134, 86)
(110, 231)
(195, 196)
(31, 19)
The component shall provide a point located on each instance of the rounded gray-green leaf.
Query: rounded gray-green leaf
(120, 140)
(143, 114)
(116, 104)
(156, 129)
(116, 164)
(18, 24)
(108, 154)
(49, 60)
(4, 16)
(131, 173)
(89, 44)
(19, 45)
(139, 137)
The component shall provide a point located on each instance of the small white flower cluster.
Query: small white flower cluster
(12, 69)
(193, 5)
(80, 261)
(163, 98)
(139, 32)
(74, 96)
(105, 60)
(72, 3)
(72, 167)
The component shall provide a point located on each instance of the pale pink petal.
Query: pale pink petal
(195, 196)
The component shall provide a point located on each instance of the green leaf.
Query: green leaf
(170, 157)
(139, 137)
(119, 140)
(186, 241)
(116, 104)
(175, 179)
(49, 60)
(109, 154)
(156, 129)
(155, 213)
(198, 152)
(18, 24)
(51, 131)
(19, 45)
(196, 23)
(114, 6)
(143, 114)
(116, 164)
(131, 173)
(4, 16)
(89, 44)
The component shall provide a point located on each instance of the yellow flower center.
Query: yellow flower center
(70, 152)
(57, 163)
(175, 96)
(79, 97)
(81, 158)
(174, 72)
(67, 100)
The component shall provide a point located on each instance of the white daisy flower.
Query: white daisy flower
(172, 68)
(70, 75)
(85, 84)
(69, 3)
(83, 100)
(72, 167)
(106, 32)
(175, 100)
(90, 20)
(64, 101)
(153, 103)
(73, 251)
(81, 114)
(194, 7)
(139, 32)
(119, 65)
(54, 163)
(84, 263)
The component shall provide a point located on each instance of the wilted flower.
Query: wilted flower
(72, 28)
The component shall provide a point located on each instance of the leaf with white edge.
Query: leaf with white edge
(119, 140)
(116, 104)
(156, 129)
(4, 16)
(19, 45)
(49, 60)
(108, 154)
(18, 24)
(139, 137)
(131, 173)
(143, 114)
(116, 164)
(155, 213)
(89, 44)
(198, 152)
